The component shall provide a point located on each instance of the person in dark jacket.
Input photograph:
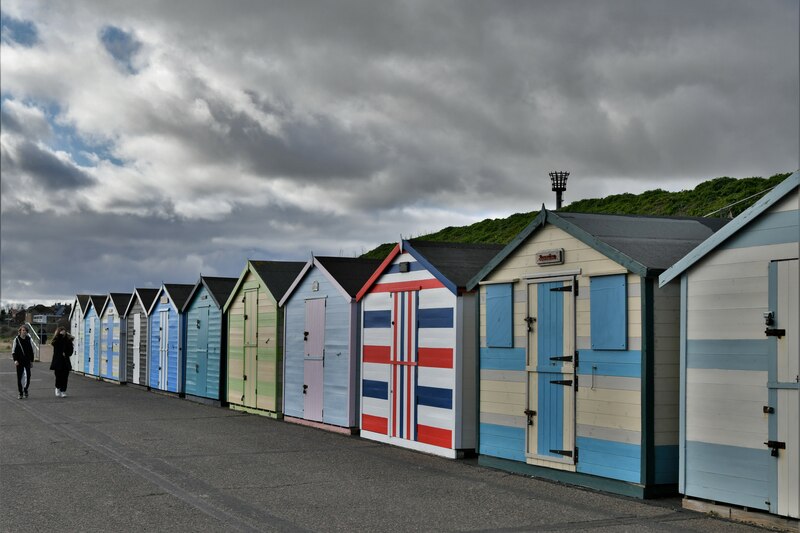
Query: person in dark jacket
(61, 365)
(22, 352)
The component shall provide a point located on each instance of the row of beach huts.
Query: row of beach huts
(634, 354)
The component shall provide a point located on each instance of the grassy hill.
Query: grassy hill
(709, 196)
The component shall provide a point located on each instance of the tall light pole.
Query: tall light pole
(559, 179)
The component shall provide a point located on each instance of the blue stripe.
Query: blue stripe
(627, 364)
(436, 317)
(502, 358)
(413, 266)
(729, 474)
(375, 389)
(435, 397)
(402, 402)
(416, 373)
(769, 228)
(608, 312)
(615, 460)
(502, 441)
(377, 319)
(728, 354)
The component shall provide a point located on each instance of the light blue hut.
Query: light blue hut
(112, 334)
(204, 360)
(91, 334)
(740, 359)
(322, 342)
(166, 331)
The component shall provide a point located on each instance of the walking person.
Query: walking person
(22, 353)
(61, 365)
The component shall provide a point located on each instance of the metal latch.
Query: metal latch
(775, 445)
(530, 414)
(768, 410)
(773, 332)
(562, 358)
(531, 320)
(562, 382)
(305, 388)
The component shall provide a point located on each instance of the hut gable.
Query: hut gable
(96, 302)
(81, 301)
(219, 288)
(144, 296)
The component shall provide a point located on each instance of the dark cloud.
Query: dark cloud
(47, 170)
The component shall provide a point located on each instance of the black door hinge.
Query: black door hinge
(565, 288)
(566, 453)
(772, 332)
(562, 382)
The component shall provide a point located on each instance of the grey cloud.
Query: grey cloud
(46, 169)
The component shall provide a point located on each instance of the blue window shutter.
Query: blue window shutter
(609, 312)
(499, 312)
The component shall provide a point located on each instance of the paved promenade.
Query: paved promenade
(119, 458)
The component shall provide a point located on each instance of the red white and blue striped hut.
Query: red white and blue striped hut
(418, 356)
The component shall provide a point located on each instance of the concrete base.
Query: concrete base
(204, 400)
(739, 514)
(260, 412)
(320, 425)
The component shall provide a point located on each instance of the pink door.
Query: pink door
(314, 337)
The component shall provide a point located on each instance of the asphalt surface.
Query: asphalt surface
(120, 458)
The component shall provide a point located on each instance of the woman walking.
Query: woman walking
(23, 358)
(62, 350)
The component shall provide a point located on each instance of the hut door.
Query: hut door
(403, 393)
(314, 359)
(87, 364)
(163, 348)
(96, 346)
(784, 387)
(106, 341)
(551, 371)
(137, 339)
(201, 355)
(250, 376)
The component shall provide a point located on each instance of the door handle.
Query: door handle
(305, 389)
(531, 320)
(305, 335)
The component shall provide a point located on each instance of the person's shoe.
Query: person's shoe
(26, 394)
(63, 394)
(58, 393)
(19, 396)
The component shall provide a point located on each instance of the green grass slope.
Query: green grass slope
(709, 196)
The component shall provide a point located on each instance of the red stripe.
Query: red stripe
(377, 354)
(410, 359)
(436, 436)
(394, 358)
(375, 275)
(376, 424)
(432, 283)
(435, 357)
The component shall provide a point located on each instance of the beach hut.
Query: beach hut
(418, 347)
(206, 338)
(91, 334)
(255, 336)
(112, 334)
(740, 359)
(79, 306)
(579, 350)
(166, 331)
(322, 324)
(136, 326)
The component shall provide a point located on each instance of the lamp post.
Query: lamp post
(559, 179)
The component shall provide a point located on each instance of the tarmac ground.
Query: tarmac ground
(121, 458)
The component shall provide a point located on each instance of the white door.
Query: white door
(163, 349)
(137, 341)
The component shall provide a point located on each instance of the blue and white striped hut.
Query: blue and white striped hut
(91, 334)
(740, 358)
(166, 329)
(578, 350)
(112, 334)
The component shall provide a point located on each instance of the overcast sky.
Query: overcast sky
(147, 142)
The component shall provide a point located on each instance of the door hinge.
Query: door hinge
(565, 288)
(576, 454)
(575, 284)
(561, 382)
(576, 359)
(772, 332)
(244, 377)
(567, 358)
(566, 453)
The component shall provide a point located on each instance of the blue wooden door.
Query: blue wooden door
(108, 348)
(201, 353)
(551, 371)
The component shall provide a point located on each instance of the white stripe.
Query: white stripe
(437, 337)
(443, 378)
(432, 298)
(376, 372)
(377, 301)
(378, 336)
(375, 407)
(416, 275)
(435, 417)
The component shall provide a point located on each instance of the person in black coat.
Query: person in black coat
(61, 365)
(22, 352)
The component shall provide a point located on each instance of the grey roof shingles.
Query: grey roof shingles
(120, 301)
(220, 288)
(278, 275)
(458, 262)
(147, 295)
(349, 272)
(179, 292)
